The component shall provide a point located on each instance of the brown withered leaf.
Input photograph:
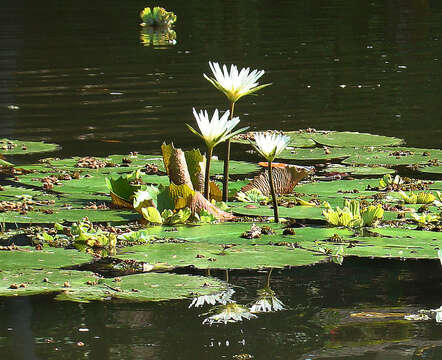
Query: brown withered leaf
(285, 179)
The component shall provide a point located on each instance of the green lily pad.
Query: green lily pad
(159, 287)
(359, 170)
(230, 233)
(316, 153)
(32, 282)
(392, 243)
(15, 193)
(27, 257)
(70, 215)
(296, 212)
(221, 246)
(353, 139)
(235, 167)
(399, 243)
(134, 162)
(437, 169)
(210, 256)
(111, 164)
(336, 187)
(333, 138)
(83, 286)
(393, 156)
(17, 147)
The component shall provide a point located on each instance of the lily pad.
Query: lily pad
(316, 153)
(359, 170)
(32, 282)
(27, 257)
(235, 167)
(110, 164)
(392, 243)
(17, 147)
(210, 256)
(353, 139)
(83, 286)
(437, 169)
(70, 215)
(358, 186)
(15, 193)
(159, 287)
(296, 212)
(393, 156)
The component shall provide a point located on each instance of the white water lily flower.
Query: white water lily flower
(270, 145)
(216, 130)
(235, 84)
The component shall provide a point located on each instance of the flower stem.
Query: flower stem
(272, 190)
(226, 161)
(206, 178)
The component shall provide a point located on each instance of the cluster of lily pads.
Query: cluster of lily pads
(150, 215)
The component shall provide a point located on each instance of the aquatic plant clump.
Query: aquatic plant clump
(157, 16)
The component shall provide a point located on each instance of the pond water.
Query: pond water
(83, 75)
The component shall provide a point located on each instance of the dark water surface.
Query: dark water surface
(77, 73)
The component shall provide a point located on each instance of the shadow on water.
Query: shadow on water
(317, 324)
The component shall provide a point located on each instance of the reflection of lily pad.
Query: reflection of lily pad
(17, 147)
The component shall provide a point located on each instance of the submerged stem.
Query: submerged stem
(272, 190)
(226, 161)
(207, 175)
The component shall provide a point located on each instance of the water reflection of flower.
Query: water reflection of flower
(266, 302)
(220, 298)
(158, 36)
(228, 313)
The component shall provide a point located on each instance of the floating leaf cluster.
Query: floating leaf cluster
(157, 16)
(351, 215)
